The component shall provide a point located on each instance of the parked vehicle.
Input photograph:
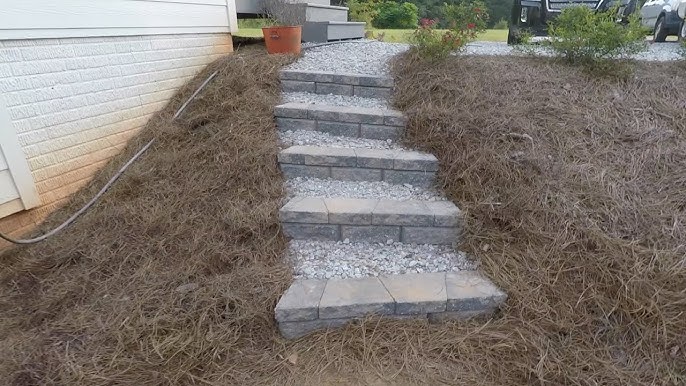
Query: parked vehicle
(533, 16)
(681, 11)
(662, 18)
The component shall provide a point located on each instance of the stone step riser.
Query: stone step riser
(310, 305)
(332, 30)
(315, 12)
(340, 121)
(366, 86)
(392, 166)
(371, 220)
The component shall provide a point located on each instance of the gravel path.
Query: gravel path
(359, 57)
(327, 259)
(658, 52)
(334, 100)
(323, 188)
(317, 138)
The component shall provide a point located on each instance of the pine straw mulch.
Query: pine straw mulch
(574, 192)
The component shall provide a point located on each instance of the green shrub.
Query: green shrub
(391, 15)
(582, 36)
(361, 10)
(501, 24)
(465, 20)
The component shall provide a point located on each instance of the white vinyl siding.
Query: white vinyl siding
(35, 19)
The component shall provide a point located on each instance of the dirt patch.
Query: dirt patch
(574, 192)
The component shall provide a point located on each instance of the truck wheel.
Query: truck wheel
(513, 36)
(682, 31)
(660, 33)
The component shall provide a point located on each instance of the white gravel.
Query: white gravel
(657, 52)
(334, 100)
(317, 138)
(368, 57)
(323, 188)
(327, 259)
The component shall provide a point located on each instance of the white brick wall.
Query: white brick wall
(74, 102)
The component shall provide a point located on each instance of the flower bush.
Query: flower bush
(465, 20)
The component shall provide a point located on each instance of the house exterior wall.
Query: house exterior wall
(73, 102)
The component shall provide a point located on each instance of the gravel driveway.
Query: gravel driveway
(372, 57)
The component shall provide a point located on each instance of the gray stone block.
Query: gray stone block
(370, 233)
(471, 291)
(334, 88)
(423, 179)
(349, 298)
(301, 301)
(446, 214)
(285, 124)
(429, 235)
(414, 160)
(328, 156)
(391, 212)
(297, 86)
(304, 210)
(350, 211)
(289, 111)
(417, 293)
(292, 155)
(380, 132)
(356, 174)
(375, 81)
(375, 158)
(449, 316)
(294, 330)
(394, 118)
(308, 76)
(350, 79)
(339, 128)
(293, 171)
(321, 232)
(372, 92)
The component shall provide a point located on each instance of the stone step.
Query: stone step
(314, 304)
(371, 220)
(320, 12)
(349, 164)
(366, 86)
(326, 31)
(344, 121)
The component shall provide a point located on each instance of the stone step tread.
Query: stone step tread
(338, 77)
(360, 158)
(312, 304)
(314, 5)
(360, 211)
(340, 113)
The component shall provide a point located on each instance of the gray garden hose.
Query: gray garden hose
(109, 183)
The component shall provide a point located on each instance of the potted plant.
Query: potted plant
(283, 36)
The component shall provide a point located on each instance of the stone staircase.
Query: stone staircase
(311, 304)
(325, 22)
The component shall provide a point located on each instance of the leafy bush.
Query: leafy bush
(361, 10)
(465, 21)
(395, 15)
(582, 36)
(501, 24)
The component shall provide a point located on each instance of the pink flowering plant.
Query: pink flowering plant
(464, 21)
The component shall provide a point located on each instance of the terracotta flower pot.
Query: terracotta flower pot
(283, 39)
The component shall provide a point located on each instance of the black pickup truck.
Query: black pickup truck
(533, 15)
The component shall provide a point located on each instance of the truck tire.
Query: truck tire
(660, 32)
(513, 36)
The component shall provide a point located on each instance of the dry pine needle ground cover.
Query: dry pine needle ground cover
(574, 192)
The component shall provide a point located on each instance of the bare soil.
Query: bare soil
(574, 190)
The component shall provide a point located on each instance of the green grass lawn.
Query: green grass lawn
(394, 35)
